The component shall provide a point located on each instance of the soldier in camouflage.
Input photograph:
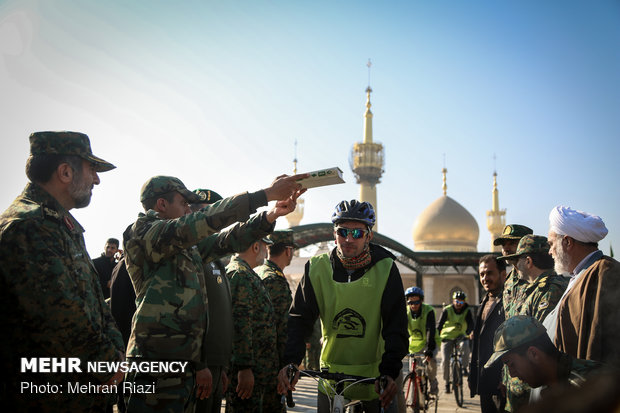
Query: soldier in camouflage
(513, 298)
(535, 265)
(523, 345)
(541, 292)
(166, 249)
(279, 256)
(254, 363)
(217, 342)
(53, 303)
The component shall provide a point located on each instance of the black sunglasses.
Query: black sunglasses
(413, 302)
(356, 233)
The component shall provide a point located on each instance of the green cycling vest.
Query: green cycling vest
(351, 322)
(455, 325)
(417, 329)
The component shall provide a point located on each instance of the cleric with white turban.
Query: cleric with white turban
(586, 321)
(578, 225)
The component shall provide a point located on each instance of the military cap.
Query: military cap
(284, 237)
(513, 333)
(267, 241)
(209, 196)
(160, 185)
(529, 244)
(66, 143)
(512, 232)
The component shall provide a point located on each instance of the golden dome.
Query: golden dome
(445, 226)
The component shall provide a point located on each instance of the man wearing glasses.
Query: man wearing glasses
(357, 292)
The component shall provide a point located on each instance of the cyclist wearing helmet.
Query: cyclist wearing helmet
(456, 321)
(422, 334)
(356, 290)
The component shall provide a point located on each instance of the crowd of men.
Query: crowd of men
(548, 325)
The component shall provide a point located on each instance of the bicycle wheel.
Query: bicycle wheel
(457, 382)
(424, 395)
(411, 394)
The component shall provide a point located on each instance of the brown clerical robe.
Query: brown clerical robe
(589, 315)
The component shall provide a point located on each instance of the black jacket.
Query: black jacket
(104, 267)
(305, 311)
(122, 299)
(481, 380)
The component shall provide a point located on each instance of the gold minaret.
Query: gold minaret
(367, 158)
(496, 218)
(295, 217)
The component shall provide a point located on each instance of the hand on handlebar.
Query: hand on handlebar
(389, 390)
(287, 378)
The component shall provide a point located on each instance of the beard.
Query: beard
(80, 191)
(561, 261)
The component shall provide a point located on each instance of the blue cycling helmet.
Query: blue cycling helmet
(414, 291)
(354, 211)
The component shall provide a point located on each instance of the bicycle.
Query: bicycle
(456, 370)
(416, 385)
(337, 402)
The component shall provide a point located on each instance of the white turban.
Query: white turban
(579, 225)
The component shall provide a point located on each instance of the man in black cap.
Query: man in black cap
(517, 393)
(53, 304)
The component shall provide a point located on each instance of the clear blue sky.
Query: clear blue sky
(216, 93)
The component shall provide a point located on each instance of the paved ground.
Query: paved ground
(305, 398)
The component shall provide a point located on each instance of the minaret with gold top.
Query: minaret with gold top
(367, 158)
(295, 217)
(496, 218)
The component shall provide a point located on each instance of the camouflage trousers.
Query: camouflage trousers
(173, 393)
(234, 404)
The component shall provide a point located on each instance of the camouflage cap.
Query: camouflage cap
(284, 237)
(160, 185)
(267, 241)
(209, 196)
(529, 244)
(512, 232)
(66, 143)
(513, 333)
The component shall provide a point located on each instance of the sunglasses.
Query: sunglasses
(459, 302)
(356, 233)
(413, 302)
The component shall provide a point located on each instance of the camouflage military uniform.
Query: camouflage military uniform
(517, 391)
(255, 336)
(53, 304)
(217, 342)
(281, 298)
(165, 263)
(543, 295)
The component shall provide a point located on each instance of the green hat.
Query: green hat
(209, 195)
(529, 244)
(284, 237)
(160, 185)
(513, 333)
(267, 241)
(511, 232)
(66, 143)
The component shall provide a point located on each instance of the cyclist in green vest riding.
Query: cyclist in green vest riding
(356, 291)
(456, 321)
(422, 331)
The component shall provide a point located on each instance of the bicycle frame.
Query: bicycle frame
(335, 393)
